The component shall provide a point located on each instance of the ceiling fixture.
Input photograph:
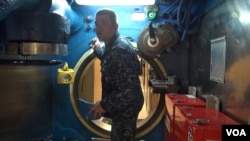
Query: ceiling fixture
(115, 2)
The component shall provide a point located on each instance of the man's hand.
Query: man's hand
(94, 43)
(97, 110)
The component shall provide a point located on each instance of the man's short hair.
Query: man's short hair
(106, 11)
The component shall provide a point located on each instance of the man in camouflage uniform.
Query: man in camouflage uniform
(122, 96)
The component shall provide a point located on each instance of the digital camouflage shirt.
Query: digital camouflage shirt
(120, 69)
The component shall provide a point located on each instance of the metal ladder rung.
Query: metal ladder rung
(99, 139)
(102, 139)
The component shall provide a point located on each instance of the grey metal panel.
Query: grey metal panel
(25, 102)
(218, 59)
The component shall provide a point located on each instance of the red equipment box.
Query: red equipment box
(173, 100)
(199, 124)
(188, 119)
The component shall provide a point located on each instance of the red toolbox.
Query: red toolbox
(199, 124)
(173, 100)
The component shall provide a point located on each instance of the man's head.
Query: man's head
(106, 24)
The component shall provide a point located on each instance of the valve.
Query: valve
(151, 33)
(65, 75)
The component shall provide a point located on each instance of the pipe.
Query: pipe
(63, 8)
(7, 6)
(179, 15)
(187, 22)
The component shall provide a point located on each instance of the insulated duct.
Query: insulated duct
(38, 27)
(7, 6)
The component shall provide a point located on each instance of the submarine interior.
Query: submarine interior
(48, 69)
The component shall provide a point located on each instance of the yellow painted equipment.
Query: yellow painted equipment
(65, 75)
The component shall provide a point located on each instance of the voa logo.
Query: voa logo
(236, 132)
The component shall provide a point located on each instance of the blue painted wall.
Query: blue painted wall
(66, 124)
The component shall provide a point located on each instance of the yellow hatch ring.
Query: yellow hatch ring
(96, 129)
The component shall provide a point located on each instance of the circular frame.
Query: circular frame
(142, 130)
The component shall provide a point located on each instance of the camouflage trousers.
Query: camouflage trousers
(123, 128)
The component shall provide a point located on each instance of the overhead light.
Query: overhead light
(115, 2)
(244, 17)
